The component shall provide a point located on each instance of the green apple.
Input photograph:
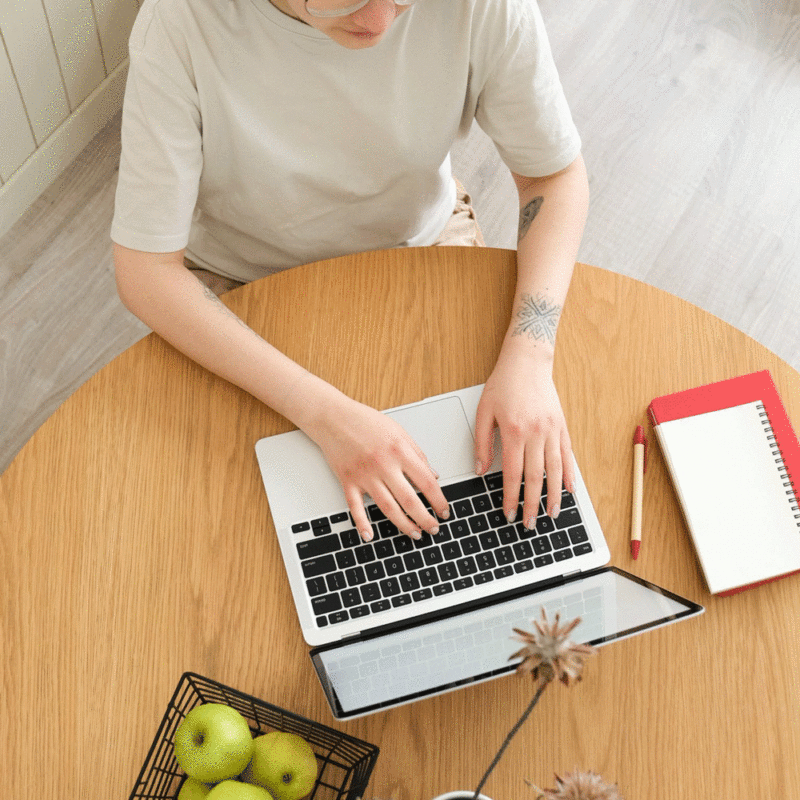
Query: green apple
(213, 743)
(233, 790)
(283, 763)
(192, 789)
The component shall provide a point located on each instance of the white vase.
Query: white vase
(460, 795)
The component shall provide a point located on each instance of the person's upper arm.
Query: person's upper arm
(161, 158)
(522, 106)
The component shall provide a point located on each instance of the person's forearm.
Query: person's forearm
(177, 306)
(552, 217)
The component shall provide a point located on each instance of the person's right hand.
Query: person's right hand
(372, 454)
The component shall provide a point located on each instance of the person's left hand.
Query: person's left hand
(520, 400)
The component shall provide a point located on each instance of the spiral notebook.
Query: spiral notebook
(734, 460)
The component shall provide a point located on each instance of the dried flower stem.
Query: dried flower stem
(520, 722)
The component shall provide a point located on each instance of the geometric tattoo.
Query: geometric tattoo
(527, 215)
(538, 318)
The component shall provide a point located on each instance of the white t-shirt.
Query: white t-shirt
(258, 143)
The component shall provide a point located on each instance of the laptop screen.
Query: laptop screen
(464, 647)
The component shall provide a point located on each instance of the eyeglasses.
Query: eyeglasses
(340, 8)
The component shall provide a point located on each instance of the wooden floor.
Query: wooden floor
(690, 116)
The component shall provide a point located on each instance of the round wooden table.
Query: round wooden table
(137, 544)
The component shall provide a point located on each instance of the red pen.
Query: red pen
(639, 451)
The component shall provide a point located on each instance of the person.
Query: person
(263, 134)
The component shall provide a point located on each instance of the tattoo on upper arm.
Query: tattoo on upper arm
(538, 318)
(527, 215)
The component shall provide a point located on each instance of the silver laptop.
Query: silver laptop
(346, 590)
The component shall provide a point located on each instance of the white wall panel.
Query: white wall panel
(16, 139)
(114, 21)
(78, 47)
(30, 48)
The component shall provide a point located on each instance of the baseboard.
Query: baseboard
(58, 151)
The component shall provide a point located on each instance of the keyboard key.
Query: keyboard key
(319, 547)
(387, 529)
(479, 523)
(503, 572)
(484, 577)
(326, 604)
(447, 572)
(485, 561)
(401, 600)
(318, 566)
(345, 559)
(402, 544)
(394, 565)
(380, 605)
(321, 622)
(459, 528)
(567, 499)
(562, 555)
(365, 553)
(582, 549)
(463, 583)
(451, 550)
(482, 503)
(545, 524)
(541, 545)
(494, 481)
(489, 540)
(322, 530)
(321, 522)
(467, 488)
(428, 576)
(466, 566)
(578, 535)
(412, 561)
(559, 540)
(351, 597)
(359, 611)
(497, 519)
(335, 581)
(507, 535)
(341, 517)
(355, 576)
(442, 588)
(370, 592)
(462, 508)
(470, 545)
(316, 586)
(350, 538)
(543, 561)
(523, 566)
(409, 582)
(374, 571)
(375, 514)
(504, 555)
(433, 555)
(421, 594)
(497, 499)
(383, 548)
(339, 616)
(522, 550)
(390, 587)
(299, 527)
(568, 517)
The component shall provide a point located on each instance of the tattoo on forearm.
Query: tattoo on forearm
(211, 295)
(538, 318)
(527, 215)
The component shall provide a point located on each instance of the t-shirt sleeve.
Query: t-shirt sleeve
(521, 105)
(162, 156)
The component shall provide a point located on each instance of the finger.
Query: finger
(512, 477)
(355, 502)
(534, 477)
(390, 505)
(484, 438)
(555, 474)
(425, 481)
(568, 462)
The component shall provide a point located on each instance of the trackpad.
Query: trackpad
(442, 431)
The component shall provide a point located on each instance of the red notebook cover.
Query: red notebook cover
(757, 386)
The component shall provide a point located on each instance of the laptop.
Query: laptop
(354, 598)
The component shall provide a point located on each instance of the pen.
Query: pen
(639, 447)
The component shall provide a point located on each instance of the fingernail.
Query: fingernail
(366, 536)
(445, 514)
(434, 530)
(511, 515)
(415, 535)
(555, 512)
(530, 524)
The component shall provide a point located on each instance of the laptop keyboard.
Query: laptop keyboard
(347, 578)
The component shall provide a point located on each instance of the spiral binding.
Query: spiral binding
(791, 492)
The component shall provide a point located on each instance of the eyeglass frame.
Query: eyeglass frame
(351, 9)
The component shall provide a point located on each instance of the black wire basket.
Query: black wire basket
(345, 763)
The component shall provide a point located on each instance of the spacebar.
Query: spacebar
(467, 488)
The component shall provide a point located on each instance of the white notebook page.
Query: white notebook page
(732, 494)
